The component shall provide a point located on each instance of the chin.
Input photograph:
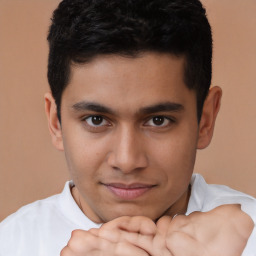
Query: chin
(131, 212)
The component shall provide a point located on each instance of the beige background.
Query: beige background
(30, 168)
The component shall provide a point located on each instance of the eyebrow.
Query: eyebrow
(160, 107)
(83, 106)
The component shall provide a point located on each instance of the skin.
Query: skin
(128, 148)
(183, 235)
(130, 133)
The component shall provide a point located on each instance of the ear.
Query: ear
(53, 121)
(210, 110)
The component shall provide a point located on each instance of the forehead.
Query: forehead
(116, 80)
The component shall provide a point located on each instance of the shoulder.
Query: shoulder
(32, 211)
(205, 197)
(32, 224)
(44, 226)
(28, 217)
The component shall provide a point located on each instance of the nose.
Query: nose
(128, 152)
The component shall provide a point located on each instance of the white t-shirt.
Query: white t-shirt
(44, 227)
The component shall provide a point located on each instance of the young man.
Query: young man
(129, 105)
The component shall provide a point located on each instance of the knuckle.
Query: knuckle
(80, 238)
(76, 233)
(64, 251)
(148, 225)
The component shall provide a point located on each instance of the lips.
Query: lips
(128, 192)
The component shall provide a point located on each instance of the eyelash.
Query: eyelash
(96, 116)
(166, 119)
(100, 127)
(93, 127)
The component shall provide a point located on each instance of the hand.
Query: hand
(139, 231)
(222, 231)
(88, 243)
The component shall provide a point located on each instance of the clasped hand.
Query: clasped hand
(223, 231)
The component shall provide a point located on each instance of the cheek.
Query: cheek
(176, 155)
(83, 156)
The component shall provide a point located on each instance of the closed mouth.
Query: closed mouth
(128, 191)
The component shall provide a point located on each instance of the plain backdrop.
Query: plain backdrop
(31, 169)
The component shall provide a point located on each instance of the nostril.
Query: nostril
(116, 168)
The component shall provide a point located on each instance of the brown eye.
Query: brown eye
(96, 121)
(158, 120)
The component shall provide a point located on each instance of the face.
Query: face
(130, 132)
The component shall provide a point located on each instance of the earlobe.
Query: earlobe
(208, 118)
(53, 121)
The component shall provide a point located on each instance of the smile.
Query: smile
(128, 192)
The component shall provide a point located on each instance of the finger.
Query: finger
(136, 239)
(81, 242)
(125, 236)
(66, 251)
(122, 248)
(154, 245)
(137, 224)
(163, 225)
(113, 235)
(84, 243)
(127, 249)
